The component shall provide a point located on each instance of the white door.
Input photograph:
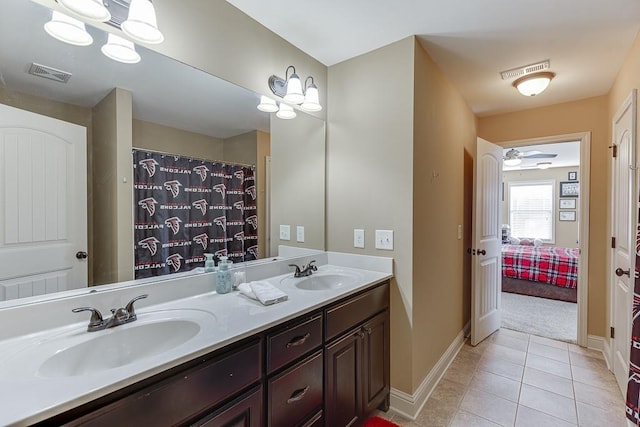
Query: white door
(486, 270)
(43, 204)
(624, 217)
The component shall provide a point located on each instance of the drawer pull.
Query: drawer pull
(369, 331)
(298, 395)
(297, 341)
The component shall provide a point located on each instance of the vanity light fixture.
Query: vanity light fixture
(533, 84)
(68, 29)
(141, 24)
(267, 104)
(92, 10)
(120, 50)
(286, 112)
(311, 101)
(290, 89)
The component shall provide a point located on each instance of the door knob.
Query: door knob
(482, 252)
(620, 272)
(81, 255)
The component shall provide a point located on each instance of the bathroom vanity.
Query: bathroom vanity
(320, 358)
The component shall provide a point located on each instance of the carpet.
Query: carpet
(557, 320)
(379, 422)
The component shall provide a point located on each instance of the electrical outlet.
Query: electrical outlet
(384, 239)
(300, 233)
(358, 238)
(285, 232)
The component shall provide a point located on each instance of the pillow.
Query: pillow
(514, 241)
(537, 243)
(526, 242)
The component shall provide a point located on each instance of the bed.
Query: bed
(543, 271)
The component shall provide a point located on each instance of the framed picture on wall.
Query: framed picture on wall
(573, 176)
(567, 215)
(567, 203)
(569, 189)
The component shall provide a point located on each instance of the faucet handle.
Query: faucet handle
(297, 273)
(96, 316)
(312, 266)
(129, 306)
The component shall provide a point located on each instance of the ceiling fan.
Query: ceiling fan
(513, 157)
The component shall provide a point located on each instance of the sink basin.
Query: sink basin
(326, 281)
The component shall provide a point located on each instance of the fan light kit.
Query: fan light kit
(514, 157)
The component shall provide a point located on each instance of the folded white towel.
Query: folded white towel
(264, 292)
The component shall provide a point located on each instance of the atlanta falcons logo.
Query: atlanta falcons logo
(201, 171)
(239, 174)
(220, 188)
(150, 243)
(239, 236)
(253, 221)
(148, 204)
(149, 165)
(173, 223)
(175, 261)
(222, 222)
(202, 205)
(239, 205)
(221, 252)
(203, 240)
(253, 250)
(174, 187)
(638, 240)
(251, 191)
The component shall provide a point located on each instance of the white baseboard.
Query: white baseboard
(410, 405)
(601, 344)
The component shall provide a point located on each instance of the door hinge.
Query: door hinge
(613, 243)
(614, 150)
(612, 332)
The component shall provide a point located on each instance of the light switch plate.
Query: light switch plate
(285, 232)
(459, 232)
(384, 239)
(300, 233)
(358, 238)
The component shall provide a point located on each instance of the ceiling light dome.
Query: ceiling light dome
(141, 24)
(512, 162)
(544, 165)
(92, 10)
(533, 84)
(68, 30)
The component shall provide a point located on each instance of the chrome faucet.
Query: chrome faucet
(305, 271)
(119, 316)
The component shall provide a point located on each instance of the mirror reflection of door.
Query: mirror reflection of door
(43, 220)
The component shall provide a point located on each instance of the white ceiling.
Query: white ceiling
(568, 154)
(471, 40)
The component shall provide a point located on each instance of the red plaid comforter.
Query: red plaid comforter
(547, 264)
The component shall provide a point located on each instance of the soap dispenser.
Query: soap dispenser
(223, 276)
(209, 263)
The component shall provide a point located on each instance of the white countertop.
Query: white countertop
(28, 396)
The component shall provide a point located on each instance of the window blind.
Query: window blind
(531, 210)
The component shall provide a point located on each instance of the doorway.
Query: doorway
(545, 265)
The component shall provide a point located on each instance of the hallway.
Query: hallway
(516, 379)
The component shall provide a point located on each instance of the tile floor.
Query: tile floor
(516, 379)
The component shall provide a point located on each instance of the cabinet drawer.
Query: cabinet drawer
(245, 411)
(287, 345)
(296, 394)
(353, 311)
(191, 392)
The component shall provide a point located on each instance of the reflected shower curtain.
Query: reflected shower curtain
(633, 386)
(184, 208)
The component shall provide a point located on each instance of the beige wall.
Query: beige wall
(566, 232)
(297, 181)
(443, 151)
(587, 115)
(112, 189)
(264, 151)
(370, 174)
(152, 136)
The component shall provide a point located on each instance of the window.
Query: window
(531, 210)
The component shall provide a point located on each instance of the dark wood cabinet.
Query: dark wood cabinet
(328, 367)
(357, 372)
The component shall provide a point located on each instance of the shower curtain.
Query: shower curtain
(184, 208)
(633, 386)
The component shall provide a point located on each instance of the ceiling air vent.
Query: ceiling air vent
(526, 69)
(49, 73)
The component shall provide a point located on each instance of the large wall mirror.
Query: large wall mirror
(158, 104)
